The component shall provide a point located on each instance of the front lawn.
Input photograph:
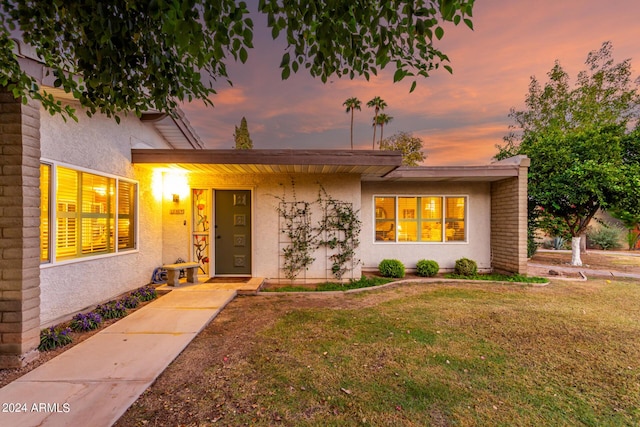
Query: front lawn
(414, 355)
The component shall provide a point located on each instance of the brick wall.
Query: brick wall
(19, 231)
(509, 223)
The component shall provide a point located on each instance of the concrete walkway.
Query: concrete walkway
(95, 382)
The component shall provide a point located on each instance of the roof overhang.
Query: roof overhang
(174, 128)
(368, 163)
(507, 168)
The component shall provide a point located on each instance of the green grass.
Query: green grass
(482, 354)
(363, 282)
(495, 277)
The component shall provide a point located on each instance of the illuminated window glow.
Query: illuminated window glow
(94, 214)
(420, 219)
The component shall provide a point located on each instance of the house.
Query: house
(88, 210)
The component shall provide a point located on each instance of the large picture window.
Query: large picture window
(93, 214)
(420, 218)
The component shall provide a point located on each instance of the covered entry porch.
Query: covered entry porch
(220, 207)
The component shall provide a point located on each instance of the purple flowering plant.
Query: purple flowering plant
(131, 301)
(54, 337)
(112, 310)
(83, 322)
(145, 293)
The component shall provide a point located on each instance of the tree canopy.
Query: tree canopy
(241, 136)
(584, 155)
(125, 55)
(410, 146)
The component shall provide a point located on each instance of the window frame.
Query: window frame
(419, 220)
(53, 213)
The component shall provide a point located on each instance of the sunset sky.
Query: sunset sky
(460, 117)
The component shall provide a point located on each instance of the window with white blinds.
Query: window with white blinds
(45, 225)
(86, 222)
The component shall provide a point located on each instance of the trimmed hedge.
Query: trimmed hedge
(427, 268)
(466, 267)
(391, 268)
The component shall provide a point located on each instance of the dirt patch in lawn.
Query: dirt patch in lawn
(596, 260)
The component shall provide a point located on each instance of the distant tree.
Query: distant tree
(378, 104)
(121, 55)
(583, 157)
(241, 136)
(410, 146)
(383, 119)
(352, 104)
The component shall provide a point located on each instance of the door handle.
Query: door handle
(218, 237)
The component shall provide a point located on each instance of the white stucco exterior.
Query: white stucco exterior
(101, 146)
(165, 226)
(476, 247)
(266, 189)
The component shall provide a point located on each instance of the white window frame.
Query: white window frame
(444, 219)
(53, 223)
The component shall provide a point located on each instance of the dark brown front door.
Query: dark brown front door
(233, 232)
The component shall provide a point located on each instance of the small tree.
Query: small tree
(352, 104)
(383, 119)
(241, 136)
(409, 145)
(377, 104)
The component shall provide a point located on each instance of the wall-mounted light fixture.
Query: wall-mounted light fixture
(170, 184)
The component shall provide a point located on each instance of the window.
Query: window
(420, 219)
(45, 199)
(94, 214)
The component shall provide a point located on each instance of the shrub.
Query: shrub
(83, 322)
(466, 267)
(391, 268)
(558, 243)
(606, 237)
(427, 268)
(532, 246)
(54, 337)
(112, 310)
(145, 293)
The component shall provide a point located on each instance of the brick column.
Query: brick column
(509, 222)
(19, 231)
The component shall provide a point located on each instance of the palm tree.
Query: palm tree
(383, 119)
(352, 104)
(379, 104)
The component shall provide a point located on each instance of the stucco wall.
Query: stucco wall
(265, 192)
(101, 145)
(477, 246)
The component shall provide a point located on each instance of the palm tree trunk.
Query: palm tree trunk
(381, 131)
(351, 129)
(375, 125)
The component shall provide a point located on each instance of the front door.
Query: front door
(232, 232)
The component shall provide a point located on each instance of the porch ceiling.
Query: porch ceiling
(363, 162)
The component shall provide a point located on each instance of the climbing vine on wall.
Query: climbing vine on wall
(337, 231)
(295, 224)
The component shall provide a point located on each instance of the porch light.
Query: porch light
(172, 185)
(176, 186)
